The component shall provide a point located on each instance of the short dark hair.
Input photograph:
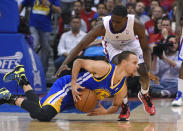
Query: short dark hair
(130, 4)
(170, 36)
(75, 17)
(120, 10)
(165, 18)
(101, 4)
(124, 55)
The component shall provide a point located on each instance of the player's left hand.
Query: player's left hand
(98, 111)
(75, 93)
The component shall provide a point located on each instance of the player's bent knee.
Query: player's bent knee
(44, 114)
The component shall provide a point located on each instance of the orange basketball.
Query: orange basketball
(88, 101)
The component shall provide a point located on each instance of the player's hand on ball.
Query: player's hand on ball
(98, 111)
(75, 93)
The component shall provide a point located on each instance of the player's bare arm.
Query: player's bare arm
(99, 30)
(117, 101)
(139, 30)
(98, 68)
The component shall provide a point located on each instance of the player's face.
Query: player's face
(132, 65)
(118, 22)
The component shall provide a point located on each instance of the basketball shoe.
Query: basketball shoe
(178, 100)
(17, 74)
(6, 97)
(148, 105)
(125, 113)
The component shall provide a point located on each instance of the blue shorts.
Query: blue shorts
(60, 95)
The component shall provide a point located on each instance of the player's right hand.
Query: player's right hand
(75, 93)
(62, 68)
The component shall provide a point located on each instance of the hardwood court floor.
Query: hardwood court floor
(167, 118)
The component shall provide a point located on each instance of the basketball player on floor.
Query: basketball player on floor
(104, 78)
(120, 31)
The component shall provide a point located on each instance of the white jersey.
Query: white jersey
(119, 39)
(115, 43)
(180, 57)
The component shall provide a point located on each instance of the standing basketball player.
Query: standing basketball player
(120, 31)
(104, 78)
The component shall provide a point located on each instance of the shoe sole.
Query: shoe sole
(6, 80)
(124, 119)
(177, 105)
(144, 106)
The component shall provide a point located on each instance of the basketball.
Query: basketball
(88, 101)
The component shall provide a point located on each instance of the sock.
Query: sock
(125, 100)
(144, 91)
(180, 85)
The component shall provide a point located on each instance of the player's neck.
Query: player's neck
(120, 71)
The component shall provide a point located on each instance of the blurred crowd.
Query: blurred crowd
(68, 21)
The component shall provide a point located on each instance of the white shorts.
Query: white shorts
(133, 46)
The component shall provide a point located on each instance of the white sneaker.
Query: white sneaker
(178, 100)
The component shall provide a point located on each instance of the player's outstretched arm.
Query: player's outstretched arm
(99, 30)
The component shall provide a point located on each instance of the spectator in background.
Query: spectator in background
(150, 25)
(157, 26)
(101, 10)
(130, 8)
(87, 14)
(69, 40)
(153, 4)
(140, 13)
(163, 34)
(166, 66)
(63, 26)
(40, 24)
(76, 12)
(109, 6)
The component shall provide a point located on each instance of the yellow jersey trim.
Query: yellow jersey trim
(40, 104)
(121, 88)
(104, 76)
(112, 87)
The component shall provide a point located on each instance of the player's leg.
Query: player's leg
(143, 95)
(31, 104)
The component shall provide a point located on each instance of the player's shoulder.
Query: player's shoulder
(131, 16)
(108, 17)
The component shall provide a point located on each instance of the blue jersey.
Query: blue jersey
(60, 95)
